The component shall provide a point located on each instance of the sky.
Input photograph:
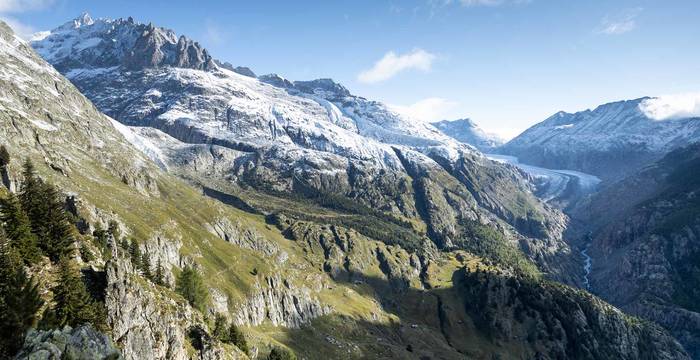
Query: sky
(506, 64)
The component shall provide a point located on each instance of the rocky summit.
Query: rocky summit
(157, 203)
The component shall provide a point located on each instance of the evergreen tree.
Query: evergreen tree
(146, 266)
(73, 304)
(124, 243)
(220, 332)
(235, 337)
(278, 353)
(4, 157)
(19, 300)
(113, 228)
(158, 277)
(190, 285)
(101, 237)
(49, 220)
(19, 229)
(135, 254)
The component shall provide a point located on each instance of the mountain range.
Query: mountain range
(328, 225)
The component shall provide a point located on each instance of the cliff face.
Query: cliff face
(645, 243)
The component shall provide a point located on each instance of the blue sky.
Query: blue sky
(506, 64)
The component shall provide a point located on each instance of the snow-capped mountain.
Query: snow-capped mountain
(468, 132)
(609, 141)
(220, 128)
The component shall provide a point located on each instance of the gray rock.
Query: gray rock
(81, 343)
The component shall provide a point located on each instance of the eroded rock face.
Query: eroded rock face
(244, 237)
(645, 241)
(146, 322)
(281, 303)
(83, 342)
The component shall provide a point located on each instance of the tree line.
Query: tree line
(34, 225)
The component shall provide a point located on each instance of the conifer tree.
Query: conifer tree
(220, 332)
(73, 304)
(146, 266)
(100, 235)
(190, 285)
(19, 229)
(158, 277)
(49, 220)
(113, 228)
(235, 337)
(135, 254)
(19, 300)
(4, 157)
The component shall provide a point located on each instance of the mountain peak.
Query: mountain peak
(325, 85)
(122, 42)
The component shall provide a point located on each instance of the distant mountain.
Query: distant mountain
(466, 131)
(231, 132)
(323, 276)
(610, 141)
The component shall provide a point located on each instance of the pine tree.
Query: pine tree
(190, 285)
(19, 229)
(49, 220)
(235, 337)
(73, 304)
(146, 266)
(19, 300)
(158, 277)
(101, 237)
(220, 332)
(113, 228)
(4, 157)
(135, 254)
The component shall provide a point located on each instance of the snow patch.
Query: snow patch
(562, 127)
(141, 143)
(87, 43)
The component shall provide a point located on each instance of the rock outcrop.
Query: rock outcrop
(83, 342)
(281, 303)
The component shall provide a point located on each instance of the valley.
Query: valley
(191, 209)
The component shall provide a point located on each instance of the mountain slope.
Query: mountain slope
(466, 131)
(645, 248)
(610, 141)
(325, 291)
(232, 133)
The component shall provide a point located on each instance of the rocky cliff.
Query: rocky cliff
(645, 248)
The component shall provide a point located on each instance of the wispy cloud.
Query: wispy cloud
(428, 110)
(8, 7)
(392, 64)
(621, 23)
(16, 6)
(213, 34)
(669, 107)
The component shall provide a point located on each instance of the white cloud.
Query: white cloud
(669, 107)
(22, 30)
(392, 64)
(621, 23)
(15, 6)
(427, 110)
